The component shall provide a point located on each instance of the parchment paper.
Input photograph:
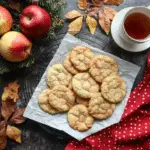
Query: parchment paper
(128, 71)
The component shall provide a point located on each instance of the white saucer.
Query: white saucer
(115, 31)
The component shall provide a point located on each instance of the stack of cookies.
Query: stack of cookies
(87, 87)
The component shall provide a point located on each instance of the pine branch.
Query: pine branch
(53, 6)
(57, 22)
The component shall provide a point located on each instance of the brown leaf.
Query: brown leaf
(13, 133)
(93, 12)
(104, 22)
(105, 18)
(17, 117)
(110, 12)
(15, 4)
(11, 92)
(3, 139)
(113, 2)
(73, 14)
(92, 24)
(8, 107)
(82, 4)
(96, 3)
(75, 26)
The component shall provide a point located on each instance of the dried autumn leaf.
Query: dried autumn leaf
(110, 12)
(106, 17)
(92, 24)
(97, 3)
(13, 133)
(72, 14)
(3, 139)
(93, 11)
(17, 117)
(8, 107)
(15, 4)
(11, 92)
(113, 2)
(82, 4)
(75, 26)
(104, 22)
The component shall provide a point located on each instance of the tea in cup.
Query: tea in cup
(136, 25)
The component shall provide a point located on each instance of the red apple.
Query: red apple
(14, 46)
(5, 20)
(35, 21)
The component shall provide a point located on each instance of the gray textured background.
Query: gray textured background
(34, 137)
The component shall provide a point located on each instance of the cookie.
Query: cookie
(58, 75)
(79, 118)
(61, 98)
(84, 85)
(99, 108)
(69, 66)
(83, 101)
(113, 88)
(43, 101)
(103, 66)
(70, 85)
(81, 57)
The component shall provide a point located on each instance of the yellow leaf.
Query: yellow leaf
(92, 24)
(72, 14)
(11, 92)
(113, 2)
(75, 26)
(13, 133)
(82, 4)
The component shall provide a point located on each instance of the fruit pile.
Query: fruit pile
(35, 22)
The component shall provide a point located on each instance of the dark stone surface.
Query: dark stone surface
(34, 137)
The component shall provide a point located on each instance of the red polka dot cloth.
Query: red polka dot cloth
(132, 132)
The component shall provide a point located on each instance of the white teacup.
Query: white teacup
(123, 33)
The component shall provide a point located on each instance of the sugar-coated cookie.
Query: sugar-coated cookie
(103, 66)
(79, 118)
(81, 57)
(69, 66)
(83, 101)
(84, 85)
(113, 88)
(61, 98)
(58, 75)
(43, 101)
(99, 108)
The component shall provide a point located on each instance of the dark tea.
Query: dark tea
(137, 25)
